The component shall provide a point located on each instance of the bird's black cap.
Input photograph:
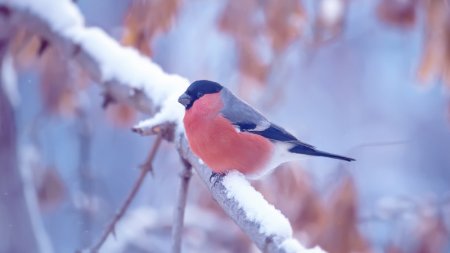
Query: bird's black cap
(196, 90)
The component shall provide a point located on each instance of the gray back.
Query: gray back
(239, 112)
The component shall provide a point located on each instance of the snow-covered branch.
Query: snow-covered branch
(126, 75)
(268, 228)
(130, 77)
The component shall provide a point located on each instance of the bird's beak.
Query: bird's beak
(184, 99)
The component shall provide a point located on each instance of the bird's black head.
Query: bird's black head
(196, 90)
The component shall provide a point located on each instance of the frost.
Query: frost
(256, 208)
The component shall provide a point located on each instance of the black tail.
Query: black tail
(302, 149)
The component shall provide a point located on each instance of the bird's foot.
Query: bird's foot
(216, 177)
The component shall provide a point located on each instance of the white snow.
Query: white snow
(9, 81)
(256, 208)
(293, 246)
(128, 66)
(316, 249)
(171, 111)
(61, 14)
(117, 63)
(331, 11)
(390, 207)
(132, 229)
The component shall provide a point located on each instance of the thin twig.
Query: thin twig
(177, 229)
(137, 185)
(85, 174)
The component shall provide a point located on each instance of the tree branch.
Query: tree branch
(85, 174)
(134, 79)
(177, 229)
(110, 229)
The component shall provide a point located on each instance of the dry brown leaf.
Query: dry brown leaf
(50, 188)
(238, 19)
(147, 18)
(288, 189)
(433, 234)
(121, 114)
(250, 21)
(435, 62)
(428, 66)
(24, 48)
(400, 13)
(284, 21)
(333, 226)
(446, 67)
(251, 65)
(61, 79)
(55, 87)
(341, 233)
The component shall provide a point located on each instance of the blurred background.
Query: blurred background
(363, 78)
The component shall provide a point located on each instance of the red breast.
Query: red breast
(215, 140)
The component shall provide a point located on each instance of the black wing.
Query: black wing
(273, 132)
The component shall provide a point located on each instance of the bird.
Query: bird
(227, 134)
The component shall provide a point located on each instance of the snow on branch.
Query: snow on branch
(268, 228)
(127, 76)
(130, 77)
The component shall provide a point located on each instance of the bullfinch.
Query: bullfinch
(228, 134)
